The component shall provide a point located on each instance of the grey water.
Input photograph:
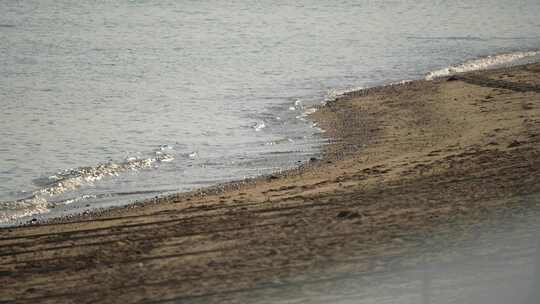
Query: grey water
(108, 102)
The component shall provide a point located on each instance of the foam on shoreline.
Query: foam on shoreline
(38, 202)
(481, 64)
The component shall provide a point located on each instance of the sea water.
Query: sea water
(107, 102)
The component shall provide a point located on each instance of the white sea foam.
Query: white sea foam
(12, 210)
(334, 94)
(279, 141)
(401, 82)
(481, 64)
(259, 126)
(71, 179)
(298, 104)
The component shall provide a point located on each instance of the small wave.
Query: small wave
(74, 178)
(306, 113)
(71, 179)
(333, 94)
(10, 211)
(259, 126)
(480, 64)
(77, 199)
(401, 82)
(279, 142)
(298, 105)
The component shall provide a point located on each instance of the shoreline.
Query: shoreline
(407, 160)
(489, 62)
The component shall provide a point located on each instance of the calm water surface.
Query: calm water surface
(107, 102)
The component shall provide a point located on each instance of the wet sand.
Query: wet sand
(412, 168)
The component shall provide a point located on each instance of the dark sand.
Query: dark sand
(410, 163)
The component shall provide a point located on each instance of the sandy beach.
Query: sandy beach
(423, 160)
